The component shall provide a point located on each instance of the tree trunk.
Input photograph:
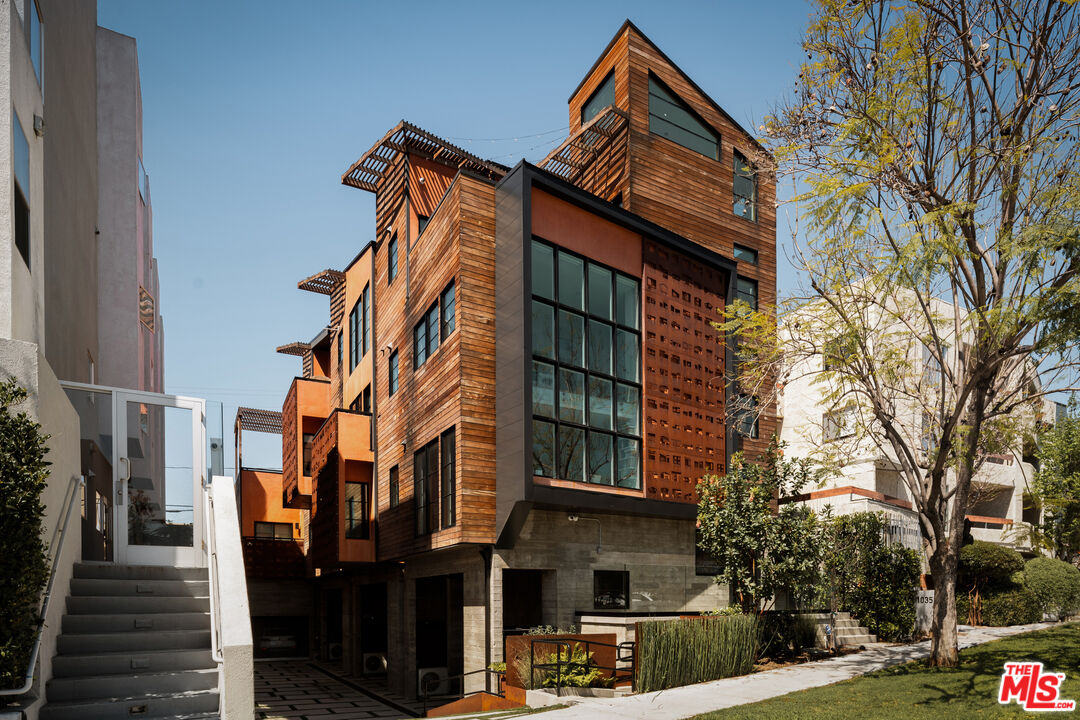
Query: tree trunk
(943, 567)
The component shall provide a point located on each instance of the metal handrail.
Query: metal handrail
(73, 491)
(212, 570)
(625, 653)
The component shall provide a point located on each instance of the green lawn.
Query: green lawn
(916, 691)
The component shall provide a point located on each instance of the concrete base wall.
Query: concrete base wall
(48, 404)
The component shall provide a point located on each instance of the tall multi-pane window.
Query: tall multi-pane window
(365, 300)
(391, 259)
(586, 370)
(425, 488)
(21, 152)
(394, 489)
(449, 478)
(670, 117)
(354, 336)
(744, 188)
(340, 349)
(447, 301)
(357, 510)
(35, 37)
(393, 372)
(308, 441)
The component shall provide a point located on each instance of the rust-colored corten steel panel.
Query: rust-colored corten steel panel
(260, 501)
(306, 407)
(580, 231)
(684, 366)
(455, 386)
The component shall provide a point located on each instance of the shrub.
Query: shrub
(673, 653)
(1055, 583)
(784, 634)
(577, 671)
(984, 565)
(873, 581)
(1017, 606)
(24, 566)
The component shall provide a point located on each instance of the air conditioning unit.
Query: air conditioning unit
(432, 681)
(333, 651)
(374, 663)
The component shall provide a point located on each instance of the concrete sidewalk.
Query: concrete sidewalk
(685, 702)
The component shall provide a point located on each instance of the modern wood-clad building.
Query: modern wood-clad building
(503, 423)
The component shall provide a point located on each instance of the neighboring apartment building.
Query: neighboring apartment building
(63, 284)
(504, 421)
(869, 477)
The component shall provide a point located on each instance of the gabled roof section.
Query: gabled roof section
(708, 98)
(258, 420)
(294, 348)
(322, 282)
(368, 172)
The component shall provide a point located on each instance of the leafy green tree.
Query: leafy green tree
(934, 147)
(1057, 486)
(23, 564)
(759, 551)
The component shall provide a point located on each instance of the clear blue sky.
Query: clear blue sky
(252, 111)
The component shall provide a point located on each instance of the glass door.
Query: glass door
(159, 477)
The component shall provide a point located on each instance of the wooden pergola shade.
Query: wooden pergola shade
(368, 172)
(323, 282)
(258, 420)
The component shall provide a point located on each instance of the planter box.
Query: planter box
(515, 645)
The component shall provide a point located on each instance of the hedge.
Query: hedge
(1055, 583)
(1000, 608)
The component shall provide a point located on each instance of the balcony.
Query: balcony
(306, 408)
(342, 463)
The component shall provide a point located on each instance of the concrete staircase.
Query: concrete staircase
(846, 630)
(135, 642)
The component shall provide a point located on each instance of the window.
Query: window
(425, 488)
(447, 312)
(449, 479)
(746, 290)
(421, 222)
(932, 366)
(744, 254)
(309, 439)
(391, 260)
(357, 510)
(586, 370)
(746, 416)
(35, 38)
(929, 434)
(603, 96)
(744, 188)
(611, 589)
(273, 530)
(840, 423)
(669, 117)
(354, 336)
(363, 400)
(394, 489)
(426, 336)
(21, 151)
(393, 372)
(838, 351)
(340, 349)
(365, 318)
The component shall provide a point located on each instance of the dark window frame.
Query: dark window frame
(751, 175)
(354, 336)
(395, 486)
(447, 323)
(603, 580)
(391, 259)
(613, 378)
(685, 107)
(448, 478)
(274, 527)
(750, 298)
(354, 529)
(749, 255)
(307, 442)
(600, 91)
(425, 488)
(393, 377)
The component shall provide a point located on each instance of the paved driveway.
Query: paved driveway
(294, 690)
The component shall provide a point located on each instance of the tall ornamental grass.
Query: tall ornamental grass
(672, 653)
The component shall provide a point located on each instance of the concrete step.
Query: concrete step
(95, 623)
(131, 684)
(827, 617)
(186, 705)
(112, 605)
(127, 662)
(117, 587)
(137, 572)
(71, 644)
(855, 639)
